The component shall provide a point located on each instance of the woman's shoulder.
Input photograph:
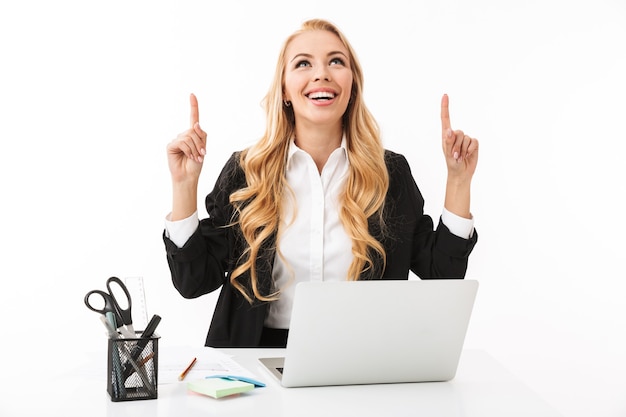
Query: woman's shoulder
(395, 162)
(232, 175)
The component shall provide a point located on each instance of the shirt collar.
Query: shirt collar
(293, 149)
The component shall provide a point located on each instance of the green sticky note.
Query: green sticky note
(218, 387)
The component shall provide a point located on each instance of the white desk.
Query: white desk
(482, 388)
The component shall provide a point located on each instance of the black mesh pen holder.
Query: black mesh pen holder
(132, 368)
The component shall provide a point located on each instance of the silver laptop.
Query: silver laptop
(374, 332)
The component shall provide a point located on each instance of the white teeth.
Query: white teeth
(321, 94)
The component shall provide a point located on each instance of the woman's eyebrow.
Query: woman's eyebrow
(305, 55)
(301, 55)
(337, 52)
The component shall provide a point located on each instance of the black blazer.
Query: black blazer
(207, 259)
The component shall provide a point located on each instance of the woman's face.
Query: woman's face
(318, 79)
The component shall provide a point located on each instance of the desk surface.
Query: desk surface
(481, 388)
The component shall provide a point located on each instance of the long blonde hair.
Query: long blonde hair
(258, 205)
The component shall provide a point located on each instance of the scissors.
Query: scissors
(123, 317)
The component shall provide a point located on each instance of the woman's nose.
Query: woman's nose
(321, 73)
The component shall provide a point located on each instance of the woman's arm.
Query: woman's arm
(185, 155)
(461, 154)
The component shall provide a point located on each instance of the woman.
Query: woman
(316, 198)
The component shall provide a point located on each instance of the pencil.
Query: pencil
(187, 369)
(146, 359)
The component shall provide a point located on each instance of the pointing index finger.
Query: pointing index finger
(445, 115)
(195, 114)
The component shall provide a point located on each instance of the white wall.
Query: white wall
(91, 93)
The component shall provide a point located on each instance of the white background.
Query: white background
(91, 93)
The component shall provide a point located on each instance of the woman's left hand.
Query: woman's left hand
(459, 149)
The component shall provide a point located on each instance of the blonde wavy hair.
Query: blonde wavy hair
(258, 205)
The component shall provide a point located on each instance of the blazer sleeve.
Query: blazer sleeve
(415, 244)
(201, 265)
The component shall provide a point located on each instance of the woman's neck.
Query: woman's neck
(319, 143)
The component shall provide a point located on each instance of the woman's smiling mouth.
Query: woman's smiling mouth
(321, 96)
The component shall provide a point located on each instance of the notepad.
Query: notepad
(218, 387)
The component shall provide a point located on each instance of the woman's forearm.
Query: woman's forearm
(457, 199)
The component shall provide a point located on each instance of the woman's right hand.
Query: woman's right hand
(185, 154)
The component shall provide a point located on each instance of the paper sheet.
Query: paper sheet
(210, 361)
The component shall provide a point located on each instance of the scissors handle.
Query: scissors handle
(109, 306)
(125, 315)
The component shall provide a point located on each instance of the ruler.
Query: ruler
(138, 297)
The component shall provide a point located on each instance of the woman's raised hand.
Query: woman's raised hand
(461, 153)
(460, 150)
(185, 154)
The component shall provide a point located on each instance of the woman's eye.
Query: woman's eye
(302, 64)
(337, 61)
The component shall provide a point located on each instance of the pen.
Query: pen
(135, 352)
(119, 388)
(111, 332)
(187, 369)
(110, 318)
(151, 327)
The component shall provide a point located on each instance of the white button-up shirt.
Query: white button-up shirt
(312, 242)
(311, 238)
